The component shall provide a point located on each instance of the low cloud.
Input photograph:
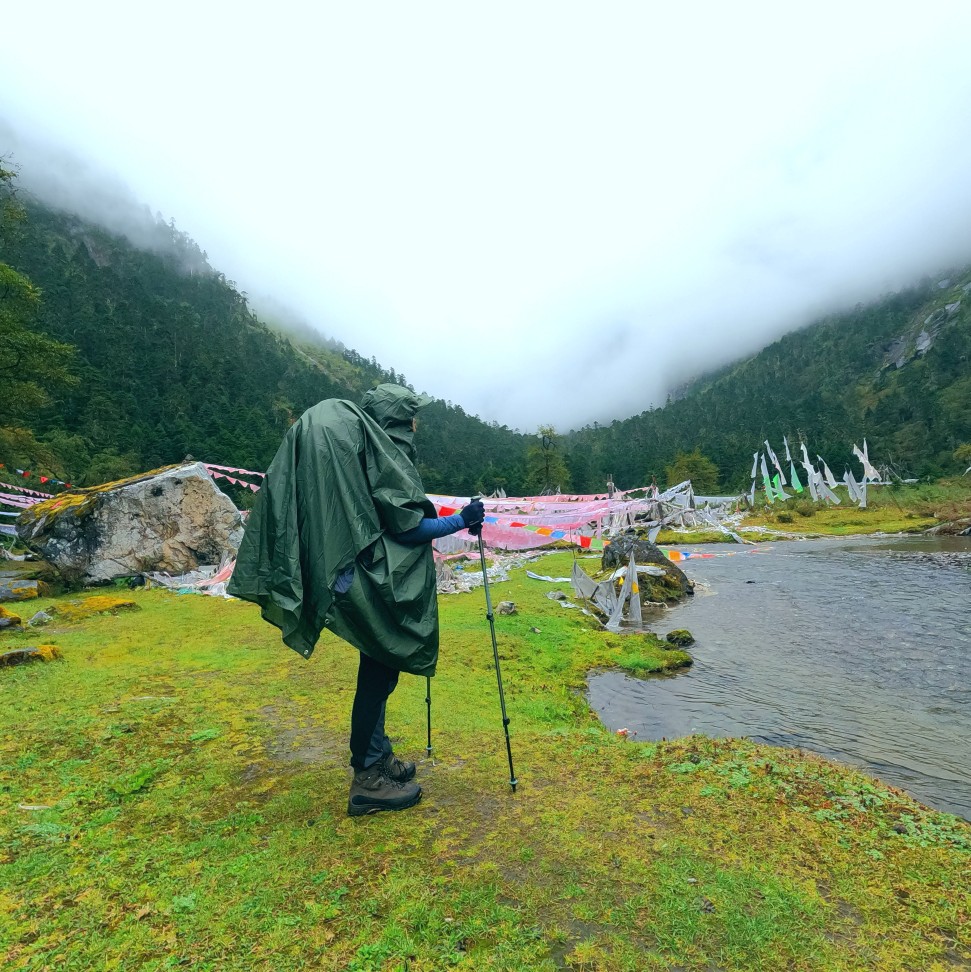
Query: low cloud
(559, 223)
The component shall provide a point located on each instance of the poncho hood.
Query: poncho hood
(394, 407)
(334, 496)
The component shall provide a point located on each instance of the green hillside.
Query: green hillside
(897, 372)
(172, 361)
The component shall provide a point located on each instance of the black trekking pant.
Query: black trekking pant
(375, 682)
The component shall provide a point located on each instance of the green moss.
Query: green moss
(77, 610)
(670, 538)
(191, 779)
(79, 500)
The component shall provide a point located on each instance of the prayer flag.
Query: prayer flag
(794, 477)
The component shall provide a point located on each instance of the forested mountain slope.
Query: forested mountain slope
(897, 371)
(172, 361)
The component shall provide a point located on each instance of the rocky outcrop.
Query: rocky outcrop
(920, 337)
(172, 520)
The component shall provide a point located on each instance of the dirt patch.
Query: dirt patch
(292, 739)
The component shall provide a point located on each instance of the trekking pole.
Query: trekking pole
(428, 702)
(495, 654)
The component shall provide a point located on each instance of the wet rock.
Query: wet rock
(668, 588)
(506, 607)
(961, 527)
(21, 589)
(10, 621)
(19, 656)
(897, 353)
(680, 638)
(174, 520)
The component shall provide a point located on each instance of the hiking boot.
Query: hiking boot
(399, 770)
(373, 791)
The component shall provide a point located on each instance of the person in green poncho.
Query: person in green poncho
(340, 538)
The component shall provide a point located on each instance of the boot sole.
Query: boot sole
(366, 809)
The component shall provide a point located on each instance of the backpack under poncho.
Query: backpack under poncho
(336, 491)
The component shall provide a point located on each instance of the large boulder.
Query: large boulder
(671, 586)
(173, 520)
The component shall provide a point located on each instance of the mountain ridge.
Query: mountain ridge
(172, 359)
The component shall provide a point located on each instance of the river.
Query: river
(858, 649)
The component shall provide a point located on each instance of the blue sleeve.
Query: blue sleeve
(431, 528)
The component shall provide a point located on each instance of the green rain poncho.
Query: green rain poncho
(341, 484)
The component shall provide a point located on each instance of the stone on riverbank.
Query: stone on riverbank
(960, 527)
(668, 588)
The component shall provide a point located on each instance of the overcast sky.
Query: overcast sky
(543, 212)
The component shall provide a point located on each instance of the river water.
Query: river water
(858, 649)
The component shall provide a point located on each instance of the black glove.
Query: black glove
(472, 516)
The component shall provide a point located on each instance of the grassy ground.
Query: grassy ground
(911, 508)
(173, 794)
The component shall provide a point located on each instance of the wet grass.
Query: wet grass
(173, 792)
(890, 509)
